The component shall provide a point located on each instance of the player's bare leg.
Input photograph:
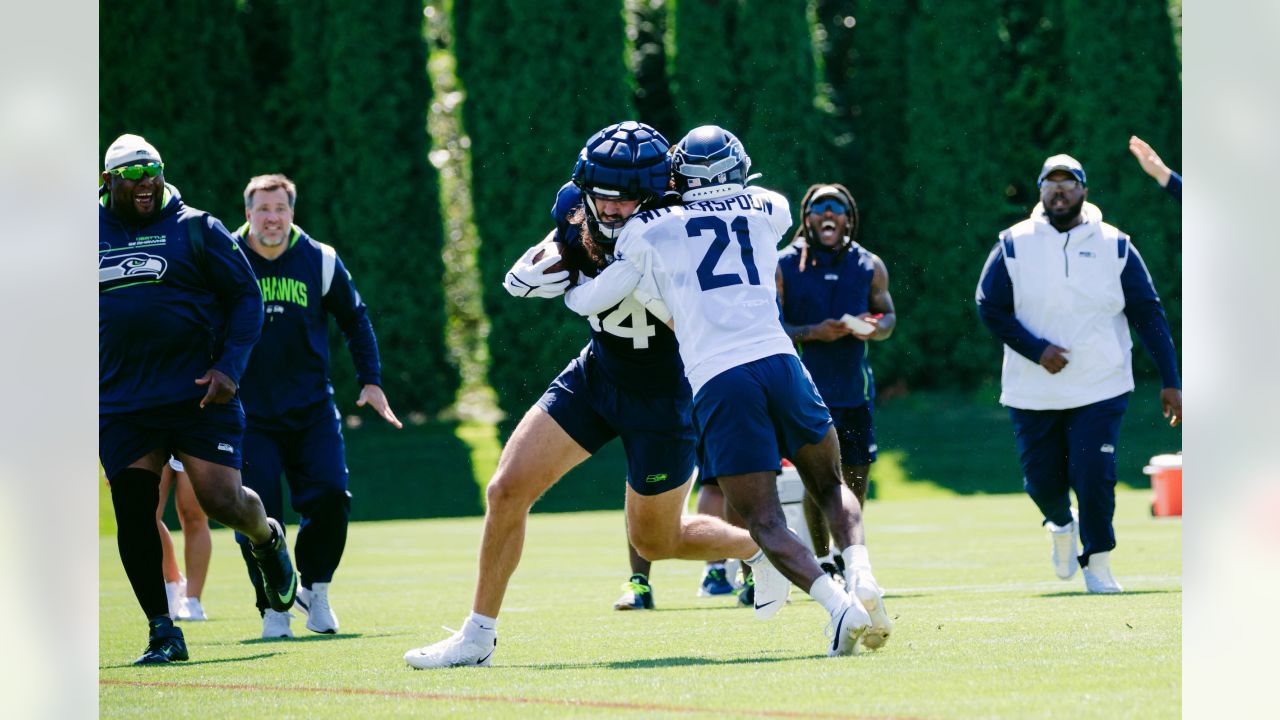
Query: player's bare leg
(659, 530)
(538, 454)
(819, 467)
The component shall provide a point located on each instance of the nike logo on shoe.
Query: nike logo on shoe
(835, 641)
(765, 605)
(486, 657)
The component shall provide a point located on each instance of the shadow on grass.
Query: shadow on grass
(1082, 593)
(310, 637)
(964, 442)
(664, 662)
(186, 663)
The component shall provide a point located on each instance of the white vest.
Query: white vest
(1066, 289)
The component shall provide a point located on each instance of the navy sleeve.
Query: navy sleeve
(343, 302)
(1146, 315)
(1174, 187)
(995, 307)
(234, 283)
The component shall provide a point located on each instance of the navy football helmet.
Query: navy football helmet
(625, 161)
(710, 162)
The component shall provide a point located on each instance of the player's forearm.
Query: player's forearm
(607, 290)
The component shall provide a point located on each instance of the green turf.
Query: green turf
(982, 630)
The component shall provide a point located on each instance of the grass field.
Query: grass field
(983, 629)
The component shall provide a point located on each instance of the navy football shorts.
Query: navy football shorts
(750, 416)
(656, 430)
(857, 434)
(212, 433)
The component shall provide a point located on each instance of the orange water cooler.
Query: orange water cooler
(1166, 485)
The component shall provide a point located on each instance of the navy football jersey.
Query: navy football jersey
(633, 349)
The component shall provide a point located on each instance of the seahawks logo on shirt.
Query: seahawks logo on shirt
(117, 271)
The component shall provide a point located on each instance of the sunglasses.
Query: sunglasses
(1066, 184)
(135, 172)
(835, 206)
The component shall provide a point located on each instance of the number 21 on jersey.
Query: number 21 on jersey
(638, 329)
(708, 279)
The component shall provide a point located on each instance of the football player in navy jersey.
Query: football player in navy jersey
(628, 383)
(824, 277)
(292, 424)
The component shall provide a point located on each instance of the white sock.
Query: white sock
(756, 559)
(829, 594)
(855, 558)
(829, 558)
(480, 623)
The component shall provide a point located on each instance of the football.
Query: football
(557, 248)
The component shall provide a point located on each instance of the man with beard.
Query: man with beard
(824, 277)
(1057, 289)
(627, 383)
(293, 425)
(178, 313)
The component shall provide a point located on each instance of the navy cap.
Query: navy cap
(1062, 162)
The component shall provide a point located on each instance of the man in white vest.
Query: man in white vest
(1060, 290)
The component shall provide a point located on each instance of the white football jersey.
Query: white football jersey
(713, 263)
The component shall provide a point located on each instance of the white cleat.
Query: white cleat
(457, 650)
(276, 624)
(868, 592)
(847, 626)
(772, 589)
(1097, 575)
(1065, 556)
(315, 605)
(191, 611)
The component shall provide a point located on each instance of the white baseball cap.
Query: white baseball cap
(129, 149)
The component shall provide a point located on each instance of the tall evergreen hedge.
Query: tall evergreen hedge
(539, 79)
(1121, 65)
(359, 90)
(174, 84)
(864, 51)
(748, 66)
(954, 189)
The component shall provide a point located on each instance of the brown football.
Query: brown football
(558, 248)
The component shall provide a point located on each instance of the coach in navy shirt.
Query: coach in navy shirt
(293, 425)
(178, 313)
(1060, 290)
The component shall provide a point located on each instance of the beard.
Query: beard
(128, 212)
(1064, 215)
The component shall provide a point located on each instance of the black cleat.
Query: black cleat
(165, 645)
(279, 581)
(834, 571)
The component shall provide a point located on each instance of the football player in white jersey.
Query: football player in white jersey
(708, 265)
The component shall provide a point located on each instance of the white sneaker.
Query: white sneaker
(276, 624)
(772, 589)
(868, 592)
(1097, 575)
(458, 650)
(847, 626)
(1065, 556)
(177, 594)
(315, 604)
(191, 611)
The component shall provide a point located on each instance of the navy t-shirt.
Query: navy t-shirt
(833, 284)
